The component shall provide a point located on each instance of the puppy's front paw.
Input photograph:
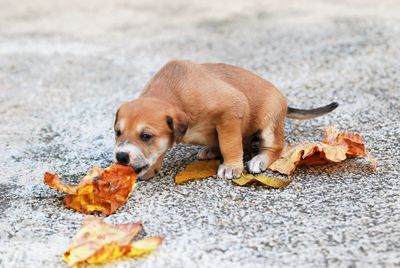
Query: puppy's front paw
(226, 172)
(258, 164)
(208, 152)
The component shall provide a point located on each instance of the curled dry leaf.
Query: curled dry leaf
(198, 170)
(98, 242)
(102, 190)
(274, 182)
(354, 141)
(335, 147)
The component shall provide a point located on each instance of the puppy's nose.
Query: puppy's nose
(122, 157)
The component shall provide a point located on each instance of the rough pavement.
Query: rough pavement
(65, 66)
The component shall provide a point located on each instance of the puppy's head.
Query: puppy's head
(144, 130)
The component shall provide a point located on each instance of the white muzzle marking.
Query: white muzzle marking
(136, 157)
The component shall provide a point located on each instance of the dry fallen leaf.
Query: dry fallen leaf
(354, 141)
(198, 170)
(98, 242)
(335, 147)
(102, 190)
(274, 182)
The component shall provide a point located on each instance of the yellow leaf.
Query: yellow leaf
(274, 182)
(99, 242)
(144, 246)
(198, 170)
(100, 191)
(107, 253)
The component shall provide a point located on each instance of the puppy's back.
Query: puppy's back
(263, 97)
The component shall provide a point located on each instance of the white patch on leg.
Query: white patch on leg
(267, 137)
(225, 172)
(258, 163)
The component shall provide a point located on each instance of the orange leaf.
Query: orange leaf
(54, 181)
(354, 141)
(335, 147)
(99, 242)
(198, 170)
(100, 191)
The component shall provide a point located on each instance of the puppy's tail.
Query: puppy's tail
(308, 114)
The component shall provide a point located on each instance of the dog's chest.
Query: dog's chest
(201, 134)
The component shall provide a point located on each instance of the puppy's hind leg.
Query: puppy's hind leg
(208, 152)
(271, 145)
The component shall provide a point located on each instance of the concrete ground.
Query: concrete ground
(65, 66)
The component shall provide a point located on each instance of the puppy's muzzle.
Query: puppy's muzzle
(123, 158)
(140, 169)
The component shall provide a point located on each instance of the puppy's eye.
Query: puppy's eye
(145, 137)
(118, 133)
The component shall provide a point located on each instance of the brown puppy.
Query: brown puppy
(219, 106)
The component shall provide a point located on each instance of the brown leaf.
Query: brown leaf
(99, 242)
(198, 170)
(100, 191)
(247, 179)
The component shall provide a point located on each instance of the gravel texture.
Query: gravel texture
(65, 66)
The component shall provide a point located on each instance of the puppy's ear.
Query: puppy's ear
(178, 122)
